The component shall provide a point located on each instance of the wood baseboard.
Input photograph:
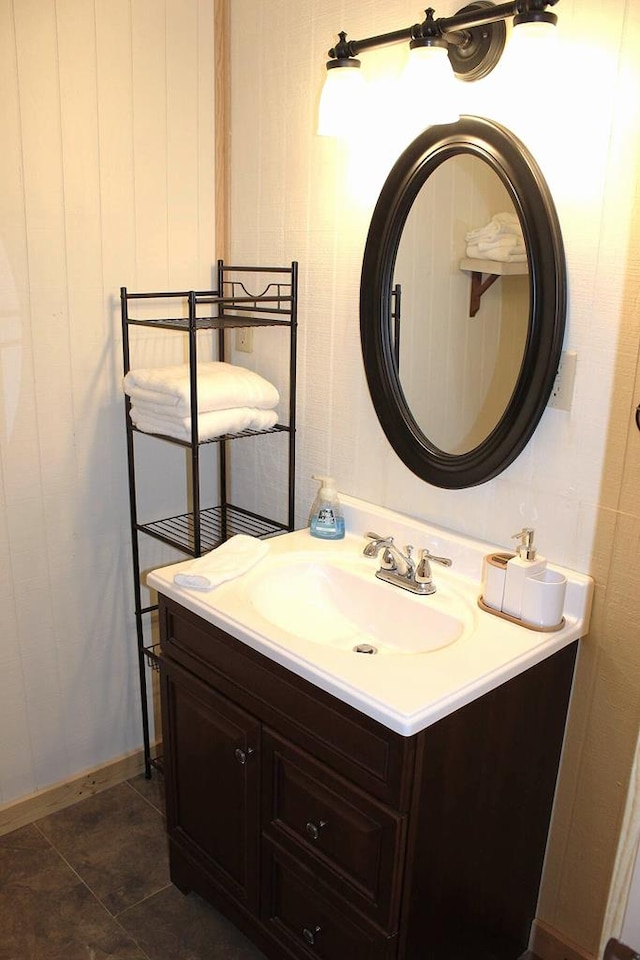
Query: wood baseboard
(549, 944)
(20, 812)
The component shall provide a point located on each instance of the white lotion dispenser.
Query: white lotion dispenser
(525, 564)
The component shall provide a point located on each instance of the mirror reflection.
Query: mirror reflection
(483, 333)
(461, 306)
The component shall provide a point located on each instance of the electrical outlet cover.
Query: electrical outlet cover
(562, 393)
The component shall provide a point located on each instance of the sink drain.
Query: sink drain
(365, 648)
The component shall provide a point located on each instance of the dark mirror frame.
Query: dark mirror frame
(532, 200)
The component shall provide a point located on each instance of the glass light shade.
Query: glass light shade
(531, 47)
(341, 101)
(428, 88)
(534, 32)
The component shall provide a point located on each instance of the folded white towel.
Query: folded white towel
(507, 243)
(497, 253)
(214, 423)
(483, 233)
(226, 562)
(508, 221)
(500, 223)
(220, 386)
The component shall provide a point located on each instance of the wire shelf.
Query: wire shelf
(178, 531)
(152, 654)
(277, 428)
(157, 763)
(236, 307)
(209, 323)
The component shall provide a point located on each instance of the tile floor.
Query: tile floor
(92, 882)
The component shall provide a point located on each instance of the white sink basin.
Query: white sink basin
(332, 601)
(309, 602)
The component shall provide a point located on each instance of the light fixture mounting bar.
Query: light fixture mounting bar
(473, 51)
(351, 48)
(477, 18)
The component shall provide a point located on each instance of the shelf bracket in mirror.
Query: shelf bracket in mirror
(478, 287)
(491, 270)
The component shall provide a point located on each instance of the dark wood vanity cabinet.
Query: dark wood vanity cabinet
(321, 833)
(215, 783)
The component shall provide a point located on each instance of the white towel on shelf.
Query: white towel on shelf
(506, 243)
(506, 254)
(499, 225)
(230, 560)
(220, 386)
(214, 423)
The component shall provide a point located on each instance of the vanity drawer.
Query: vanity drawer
(349, 840)
(352, 744)
(306, 920)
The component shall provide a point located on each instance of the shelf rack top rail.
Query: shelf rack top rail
(232, 304)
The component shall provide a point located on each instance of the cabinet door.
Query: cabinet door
(212, 757)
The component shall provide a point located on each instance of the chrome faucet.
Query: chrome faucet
(401, 569)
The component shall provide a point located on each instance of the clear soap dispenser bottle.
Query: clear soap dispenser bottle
(525, 564)
(327, 521)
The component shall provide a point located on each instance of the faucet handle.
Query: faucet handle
(376, 536)
(376, 543)
(423, 569)
(444, 561)
(387, 560)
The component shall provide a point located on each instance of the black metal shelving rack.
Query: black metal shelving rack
(201, 529)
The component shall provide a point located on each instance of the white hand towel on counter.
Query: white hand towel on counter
(230, 560)
(220, 386)
(214, 423)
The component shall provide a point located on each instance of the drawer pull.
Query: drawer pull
(309, 935)
(243, 755)
(313, 829)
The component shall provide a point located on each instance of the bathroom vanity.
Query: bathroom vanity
(319, 829)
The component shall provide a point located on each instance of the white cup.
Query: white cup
(494, 572)
(543, 599)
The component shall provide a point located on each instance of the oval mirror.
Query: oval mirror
(462, 302)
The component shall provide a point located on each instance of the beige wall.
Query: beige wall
(106, 167)
(295, 195)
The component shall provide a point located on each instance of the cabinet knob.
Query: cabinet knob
(313, 829)
(243, 755)
(309, 935)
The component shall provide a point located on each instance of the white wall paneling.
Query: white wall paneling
(107, 166)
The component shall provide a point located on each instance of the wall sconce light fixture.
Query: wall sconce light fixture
(466, 46)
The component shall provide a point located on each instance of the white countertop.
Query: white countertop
(405, 692)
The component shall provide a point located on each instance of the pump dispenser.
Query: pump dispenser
(327, 521)
(524, 565)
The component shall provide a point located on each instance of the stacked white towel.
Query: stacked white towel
(230, 399)
(500, 239)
